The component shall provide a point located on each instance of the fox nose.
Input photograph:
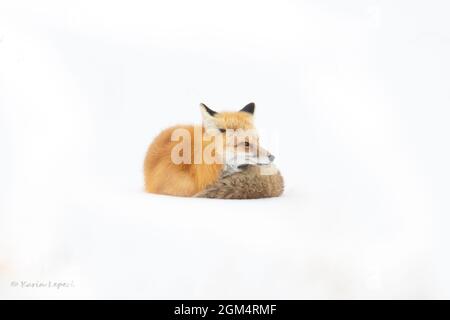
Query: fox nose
(271, 157)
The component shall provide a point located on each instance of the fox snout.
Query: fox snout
(264, 153)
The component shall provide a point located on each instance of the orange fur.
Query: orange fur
(234, 120)
(162, 176)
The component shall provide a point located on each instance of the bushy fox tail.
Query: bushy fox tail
(251, 183)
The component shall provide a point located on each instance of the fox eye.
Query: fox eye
(222, 130)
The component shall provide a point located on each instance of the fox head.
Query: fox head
(240, 140)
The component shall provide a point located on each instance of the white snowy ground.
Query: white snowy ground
(352, 97)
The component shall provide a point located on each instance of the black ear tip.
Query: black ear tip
(249, 108)
(211, 112)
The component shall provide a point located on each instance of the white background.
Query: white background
(352, 97)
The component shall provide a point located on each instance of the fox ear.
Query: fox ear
(250, 108)
(208, 116)
(206, 110)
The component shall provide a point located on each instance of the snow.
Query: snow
(352, 98)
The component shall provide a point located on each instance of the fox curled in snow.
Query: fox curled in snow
(220, 159)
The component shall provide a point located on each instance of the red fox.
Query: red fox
(165, 174)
